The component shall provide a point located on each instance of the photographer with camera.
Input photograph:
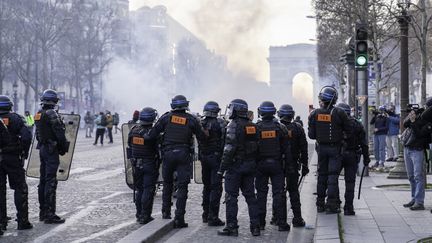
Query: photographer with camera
(392, 135)
(416, 139)
(381, 123)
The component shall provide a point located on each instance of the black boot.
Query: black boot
(180, 223)
(54, 219)
(42, 214)
(273, 220)
(205, 216)
(166, 213)
(349, 210)
(320, 205)
(23, 225)
(255, 230)
(215, 222)
(298, 221)
(332, 209)
(229, 230)
(283, 227)
(145, 219)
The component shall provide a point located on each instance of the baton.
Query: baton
(361, 180)
(300, 181)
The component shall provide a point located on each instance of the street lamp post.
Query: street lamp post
(399, 171)
(15, 96)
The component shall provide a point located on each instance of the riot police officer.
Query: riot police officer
(299, 159)
(13, 156)
(356, 145)
(272, 150)
(178, 127)
(210, 155)
(145, 161)
(239, 162)
(327, 125)
(52, 142)
(4, 140)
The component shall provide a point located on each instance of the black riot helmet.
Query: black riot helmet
(179, 102)
(328, 95)
(286, 112)
(345, 107)
(238, 108)
(5, 103)
(49, 97)
(147, 115)
(266, 109)
(211, 109)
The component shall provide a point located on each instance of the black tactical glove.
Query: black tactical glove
(305, 170)
(366, 161)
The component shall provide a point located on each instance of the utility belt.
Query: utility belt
(139, 162)
(172, 147)
(16, 149)
(335, 144)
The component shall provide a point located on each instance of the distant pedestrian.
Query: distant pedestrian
(381, 123)
(415, 139)
(135, 117)
(89, 124)
(116, 122)
(29, 121)
(298, 120)
(110, 125)
(101, 123)
(392, 135)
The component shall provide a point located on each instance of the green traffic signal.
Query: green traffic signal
(361, 60)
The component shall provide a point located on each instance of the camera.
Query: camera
(416, 108)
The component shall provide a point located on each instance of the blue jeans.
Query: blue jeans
(379, 148)
(415, 170)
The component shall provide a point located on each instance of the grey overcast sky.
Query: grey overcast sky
(243, 30)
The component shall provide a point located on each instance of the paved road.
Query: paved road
(98, 205)
(95, 200)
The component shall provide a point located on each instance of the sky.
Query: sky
(243, 30)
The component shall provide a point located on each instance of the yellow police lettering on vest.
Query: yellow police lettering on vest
(37, 116)
(324, 118)
(268, 134)
(250, 130)
(137, 140)
(178, 120)
(6, 121)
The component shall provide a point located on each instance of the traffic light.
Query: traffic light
(361, 49)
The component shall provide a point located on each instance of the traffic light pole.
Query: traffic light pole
(362, 84)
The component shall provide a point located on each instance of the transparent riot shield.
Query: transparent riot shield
(129, 175)
(197, 171)
(127, 163)
(72, 123)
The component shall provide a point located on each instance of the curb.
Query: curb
(150, 232)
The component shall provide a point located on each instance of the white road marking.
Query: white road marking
(106, 231)
(80, 170)
(75, 218)
(102, 175)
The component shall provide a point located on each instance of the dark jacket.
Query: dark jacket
(421, 131)
(381, 123)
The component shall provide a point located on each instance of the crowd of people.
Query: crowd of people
(235, 153)
(105, 122)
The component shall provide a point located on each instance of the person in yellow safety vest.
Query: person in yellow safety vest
(29, 119)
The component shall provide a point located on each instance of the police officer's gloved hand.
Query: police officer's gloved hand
(305, 170)
(366, 161)
(220, 174)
